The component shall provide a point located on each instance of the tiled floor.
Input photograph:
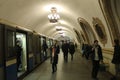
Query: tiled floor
(78, 69)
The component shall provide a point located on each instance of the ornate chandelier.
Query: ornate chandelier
(53, 17)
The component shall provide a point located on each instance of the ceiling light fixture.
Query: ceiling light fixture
(58, 28)
(53, 16)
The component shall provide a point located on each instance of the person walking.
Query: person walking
(44, 47)
(71, 49)
(96, 57)
(55, 52)
(116, 59)
(65, 48)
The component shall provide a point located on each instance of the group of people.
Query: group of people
(95, 54)
(66, 47)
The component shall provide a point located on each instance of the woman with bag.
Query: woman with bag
(55, 52)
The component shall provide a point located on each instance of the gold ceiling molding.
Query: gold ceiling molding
(83, 36)
(100, 30)
(108, 51)
(106, 8)
(77, 35)
(87, 31)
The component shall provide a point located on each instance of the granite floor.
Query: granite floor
(78, 69)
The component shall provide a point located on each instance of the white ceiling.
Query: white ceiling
(32, 14)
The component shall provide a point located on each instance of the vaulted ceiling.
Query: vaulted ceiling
(33, 15)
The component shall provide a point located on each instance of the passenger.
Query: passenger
(88, 51)
(44, 47)
(63, 42)
(18, 52)
(85, 53)
(72, 49)
(83, 49)
(116, 59)
(65, 48)
(96, 57)
(55, 52)
(51, 53)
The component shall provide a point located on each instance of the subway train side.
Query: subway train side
(21, 51)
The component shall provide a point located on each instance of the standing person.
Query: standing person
(55, 52)
(116, 58)
(83, 49)
(65, 48)
(71, 49)
(96, 56)
(44, 47)
(19, 52)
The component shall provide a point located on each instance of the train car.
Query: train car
(21, 51)
(2, 70)
(10, 53)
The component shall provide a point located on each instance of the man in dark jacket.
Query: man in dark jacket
(65, 47)
(96, 57)
(71, 49)
(116, 58)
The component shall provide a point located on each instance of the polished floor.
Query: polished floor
(78, 69)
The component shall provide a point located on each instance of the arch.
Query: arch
(111, 13)
(78, 36)
(100, 30)
(87, 30)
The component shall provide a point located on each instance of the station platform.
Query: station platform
(78, 69)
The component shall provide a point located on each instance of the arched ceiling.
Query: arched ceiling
(32, 14)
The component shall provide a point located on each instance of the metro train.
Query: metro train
(31, 56)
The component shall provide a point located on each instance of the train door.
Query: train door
(36, 49)
(1, 53)
(48, 50)
(21, 52)
(30, 51)
(42, 52)
(10, 55)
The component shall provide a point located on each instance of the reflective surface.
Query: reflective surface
(78, 69)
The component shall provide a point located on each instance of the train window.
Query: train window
(48, 43)
(41, 41)
(10, 44)
(30, 44)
